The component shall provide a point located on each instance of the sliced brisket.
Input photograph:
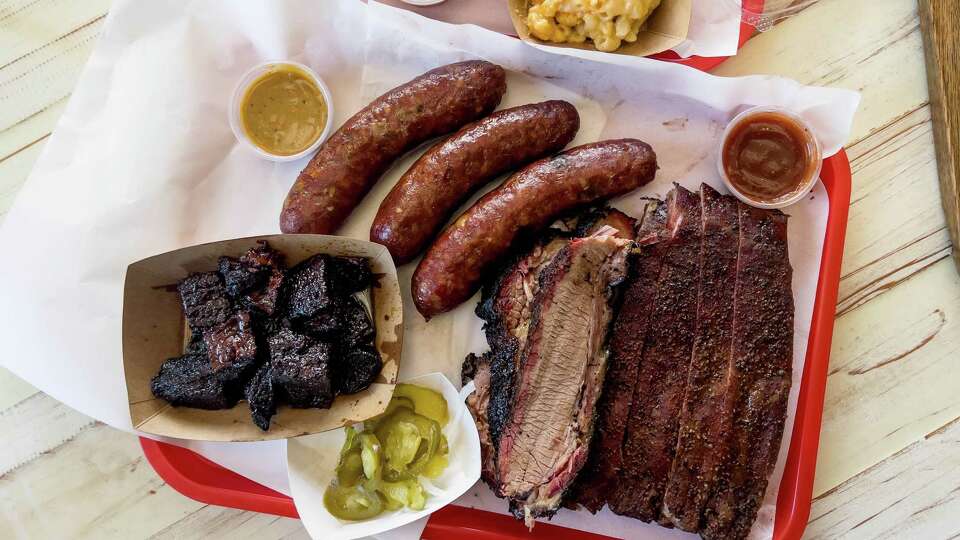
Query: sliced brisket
(651, 435)
(477, 369)
(505, 302)
(706, 416)
(763, 360)
(545, 440)
(599, 476)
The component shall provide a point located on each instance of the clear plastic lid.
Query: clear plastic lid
(763, 14)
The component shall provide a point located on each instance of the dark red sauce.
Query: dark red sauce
(769, 155)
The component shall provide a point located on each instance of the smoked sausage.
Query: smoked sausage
(457, 262)
(351, 161)
(452, 170)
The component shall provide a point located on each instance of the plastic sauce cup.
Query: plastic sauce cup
(236, 102)
(813, 147)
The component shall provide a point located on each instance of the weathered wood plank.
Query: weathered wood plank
(940, 22)
(45, 76)
(896, 226)
(892, 374)
(864, 45)
(913, 494)
(96, 486)
(23, 442)
(13, 389)
(29, 25)
(219, 522)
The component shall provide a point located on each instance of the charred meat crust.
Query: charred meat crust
(301, 369)
(351, 161)
(260, 396)
(190, 381)
(477, 369)
(706, 415)
(661, 380)
(763, 355)
(563, 368)
(303, 346)
(203, 297)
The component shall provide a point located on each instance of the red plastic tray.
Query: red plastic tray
(201, 479)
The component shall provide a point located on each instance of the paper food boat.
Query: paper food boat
(154, 330)
(667, 27)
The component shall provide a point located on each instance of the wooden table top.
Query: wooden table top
(889, 461)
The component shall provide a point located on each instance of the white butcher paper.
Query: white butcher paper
(143, 161)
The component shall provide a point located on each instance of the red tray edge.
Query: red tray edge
(198, 478)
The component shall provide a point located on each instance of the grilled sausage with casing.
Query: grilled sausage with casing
(458, 261)
(351, 161)
(448, 173)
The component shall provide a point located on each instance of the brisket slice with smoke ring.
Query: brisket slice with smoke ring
(599, 476)
(477, 369)
(505, 302)
(547, 436)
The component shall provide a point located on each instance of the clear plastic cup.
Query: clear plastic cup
(816, 154)
(762, 15)
(237, 101)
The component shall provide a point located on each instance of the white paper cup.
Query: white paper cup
(790, 198)
(237, 101)
(311, 461)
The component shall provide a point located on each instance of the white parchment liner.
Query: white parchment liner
(143, 162)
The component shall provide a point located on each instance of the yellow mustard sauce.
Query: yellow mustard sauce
(283, 111)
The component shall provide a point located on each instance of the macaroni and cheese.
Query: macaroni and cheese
(608, 23)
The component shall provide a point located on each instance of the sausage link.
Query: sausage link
(449, 172)
(456, 263)
(351, 161)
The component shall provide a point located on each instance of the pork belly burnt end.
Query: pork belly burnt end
(763, 359)
(651, 433)
(357, 327)
(351, 274)
(308, 289)
(204, 300)
(356, 369)
(301, 369)
(547, 436)
(255, 279)
(190, 381)
(260, 396)
(231, 346)
(707, 411)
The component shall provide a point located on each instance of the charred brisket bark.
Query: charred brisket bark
(477, 369)
(190, 381)
(545, 441)
(599, 476)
